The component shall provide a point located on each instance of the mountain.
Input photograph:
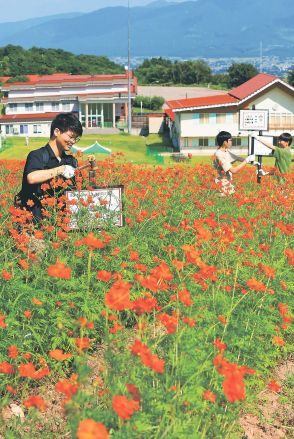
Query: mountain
(203, 28)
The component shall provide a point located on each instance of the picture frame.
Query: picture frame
(95, 208)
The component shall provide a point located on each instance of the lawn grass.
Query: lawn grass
(136, 149)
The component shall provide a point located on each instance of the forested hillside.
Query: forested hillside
(15, 61)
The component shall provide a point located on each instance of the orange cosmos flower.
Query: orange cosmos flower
(6, 275)
(12, 351)
(24, 264)
(35, 401)
(67, 387)
(268, 271)
(103, 275)
(219, 345)
(28, 314)
(278, 340)
(82, 343)
(118, 297)
(134, 391)
(59, 270)
(124, 407)
(11, 389)
(274, 386)
(6, 368)
(209, 396)
(221, 318)
(36, 301)
(90, 429)
(256, 285)
(58, 355)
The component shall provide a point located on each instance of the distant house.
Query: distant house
(195, 122)
(100, 101)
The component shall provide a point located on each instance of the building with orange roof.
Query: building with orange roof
(194, 123)
(100, 101)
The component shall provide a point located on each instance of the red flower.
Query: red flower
(256, 285)
(6, 275)
(58, 355)
(90, 429)
(35, 401)
(209, 396)
(103, 275)
(219, 345)
(82, 343)
(278, 340)
(6, 368)
(274, 386)
(118, 297)
(59, 270)
(12, 351)
(124, 407)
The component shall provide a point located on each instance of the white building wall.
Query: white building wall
(47, 107)
(64, 90)
(193, 127)
(276, 101)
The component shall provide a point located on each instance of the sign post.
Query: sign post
(254, 120)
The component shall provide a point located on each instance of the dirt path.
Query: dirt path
(275, 415)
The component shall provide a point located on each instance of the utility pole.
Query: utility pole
(129, 74)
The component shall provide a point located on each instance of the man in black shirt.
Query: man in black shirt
(50, 161)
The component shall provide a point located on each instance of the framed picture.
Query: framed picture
(259, 149)
(96, 208)
(253, 120)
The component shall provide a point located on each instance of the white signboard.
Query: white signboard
(91, 209)
(259, 148)
(256, 120)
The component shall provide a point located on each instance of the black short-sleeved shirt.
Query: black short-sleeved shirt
(39, 159)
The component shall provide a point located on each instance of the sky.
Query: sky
(16, 10)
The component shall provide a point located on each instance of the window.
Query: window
(24, 129)
(236, 141)
(13, 107)
(212, 118)
(29, 107)
(204, 118)
(229, 118)
(37, 129)
(66, 106)
(220, 118)
(40, 106)
(8, 129)
(196, 118)
(203, 141)
(55, 106)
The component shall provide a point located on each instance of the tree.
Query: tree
(291, 77)
(240, 73)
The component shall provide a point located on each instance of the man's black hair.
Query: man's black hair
(286, 137)
(67, 122)
(223, 136)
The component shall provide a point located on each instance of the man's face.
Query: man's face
(283, 143)
(228, 143)
(65, 140)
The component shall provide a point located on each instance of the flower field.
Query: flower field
(167, 327)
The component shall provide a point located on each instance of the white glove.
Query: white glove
(68, 172)
(255, 163)
(261, 173)
(250, 158)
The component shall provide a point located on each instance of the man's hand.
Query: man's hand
(250, 158)
(68, 172)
